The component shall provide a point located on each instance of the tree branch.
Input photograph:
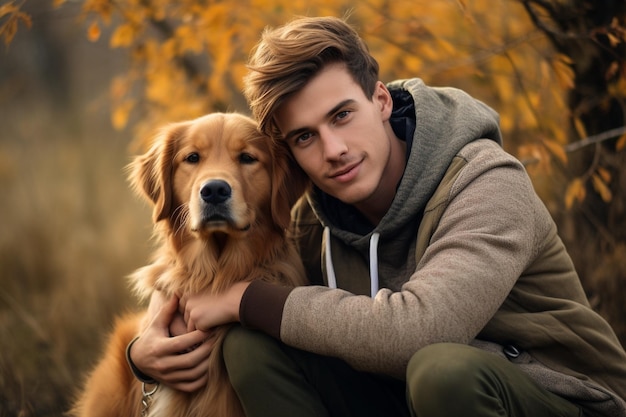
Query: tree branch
(600, 137)
(589, 140)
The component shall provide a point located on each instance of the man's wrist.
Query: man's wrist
(261, 296)
(138, 374)
(238, 290)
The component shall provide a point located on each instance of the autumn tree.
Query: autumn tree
(593, 36)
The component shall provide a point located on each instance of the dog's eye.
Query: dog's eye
(193, 158)
(246, 158)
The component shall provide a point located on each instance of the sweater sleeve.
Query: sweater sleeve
(262, 305)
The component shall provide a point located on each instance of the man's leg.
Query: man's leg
(272, 379)
(451, 380)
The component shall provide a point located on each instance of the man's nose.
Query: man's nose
(334, 146)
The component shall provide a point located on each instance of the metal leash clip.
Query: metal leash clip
(146, 400)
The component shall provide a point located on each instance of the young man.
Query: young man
(440, 286)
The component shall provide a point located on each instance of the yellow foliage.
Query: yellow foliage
(604, 174)
(123, 36)
(119, 88)
(575, 192)
(580, 127)
(601, 188)
(14, 16)
(621, 143)
(93, 32)
(563, 70)
(101, 8)
(161, 86)
(618, 88)
(613, 40)
(188, 58)
(556, 149)
(121, 112)
(189, 40)
(504, 87)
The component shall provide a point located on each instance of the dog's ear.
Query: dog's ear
(289, 182)
(151, 174)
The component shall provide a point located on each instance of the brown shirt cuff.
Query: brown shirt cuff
(261, 307)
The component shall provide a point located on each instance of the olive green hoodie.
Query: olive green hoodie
(467, 253)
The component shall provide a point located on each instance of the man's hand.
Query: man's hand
(206, 311)
(179, 361)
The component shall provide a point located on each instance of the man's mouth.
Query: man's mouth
(346, 174)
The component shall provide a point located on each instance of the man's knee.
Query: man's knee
(449, 379)
(247, 354)
(443, 366)
(449, 376)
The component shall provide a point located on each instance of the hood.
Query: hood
(436, 123)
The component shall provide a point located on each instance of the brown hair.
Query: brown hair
(286, 58)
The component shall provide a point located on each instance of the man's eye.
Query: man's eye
(246, 158)
(342, 114)
(303, 138)
(193, 158)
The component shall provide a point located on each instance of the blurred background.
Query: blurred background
(84, 84)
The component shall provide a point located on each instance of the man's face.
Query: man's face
(343, 141)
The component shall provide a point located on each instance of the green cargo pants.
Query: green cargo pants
(272, 379)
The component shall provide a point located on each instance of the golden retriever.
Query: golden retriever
(221, 194)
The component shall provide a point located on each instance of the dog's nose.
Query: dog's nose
(215, 192)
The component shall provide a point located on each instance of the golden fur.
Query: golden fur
(222, 195)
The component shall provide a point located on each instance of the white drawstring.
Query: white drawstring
(330, 270)
(374, 264)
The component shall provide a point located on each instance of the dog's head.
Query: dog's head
(217, 173)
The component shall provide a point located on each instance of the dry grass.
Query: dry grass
(70, 228)
(71, 232)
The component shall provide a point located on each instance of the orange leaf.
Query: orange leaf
(8, 30)
(613, 40)
(563, 71)
(621, 143)
(604, 174)
(123, 36)
(600, 186)
(580, 128)
(121, 113)
(575, 192)
(612, 70)
(8, 8)
(556, 149)
(93, 32)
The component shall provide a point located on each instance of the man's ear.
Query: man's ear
(151, 174)
(382, 96)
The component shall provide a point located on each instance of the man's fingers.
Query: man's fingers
(177, 326)
(190, 386)
(189, 371)
(166, 314)
(184, 343)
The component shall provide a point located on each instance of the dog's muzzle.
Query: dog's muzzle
(215, 199)
(215, 192)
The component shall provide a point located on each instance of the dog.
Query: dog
(222, 194)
